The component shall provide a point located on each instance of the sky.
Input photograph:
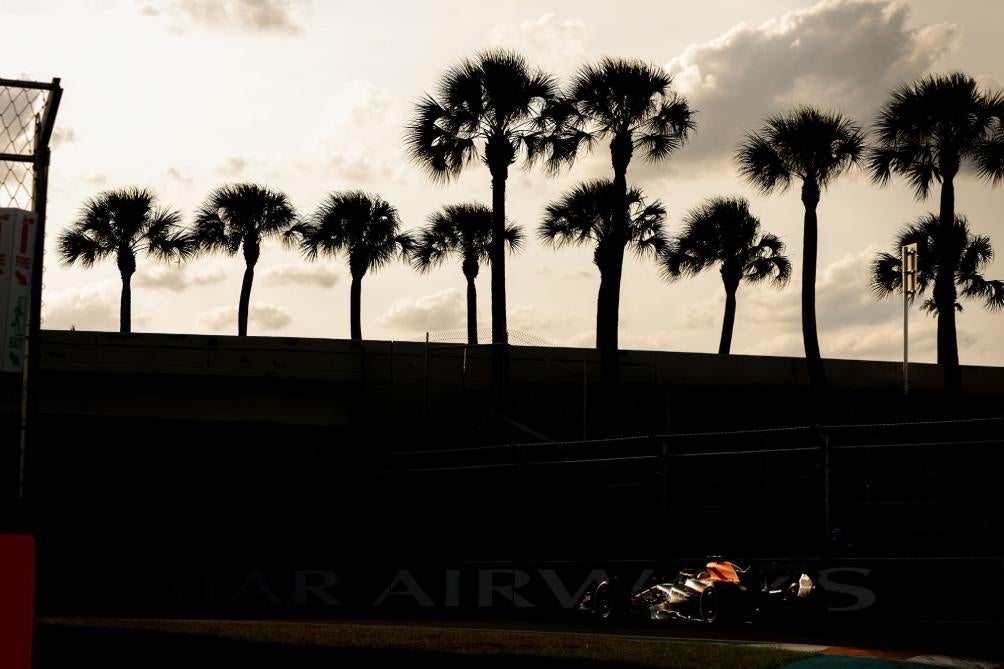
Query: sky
(312, 97)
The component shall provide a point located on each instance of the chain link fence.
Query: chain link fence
(27, 118)
(21, 110)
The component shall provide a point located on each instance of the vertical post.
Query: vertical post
(585, 399)
(425, 394)
(908, 268)
(827, 527)
(906, 345)
(664, 498)
(39, 199)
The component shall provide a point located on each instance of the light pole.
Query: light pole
(908, 267)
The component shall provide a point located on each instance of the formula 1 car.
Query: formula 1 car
(720, 593)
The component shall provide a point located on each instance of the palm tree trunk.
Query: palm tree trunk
(245, 302)
(810, 199)
(472, 312)
(601, 309)
(500, 330)
(252, 251)
(126, 260)
(620, 153)
(356, 307)
(945, 295)
(725, 346)
(125, 303)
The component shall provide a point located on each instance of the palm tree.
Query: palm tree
(814, 147)
(464, 230)
(723, 232)
(123, 223)
(926, 132)
(631, 103)
(966, 255)
(491, 108)
(586, 214)
(239, 217)
(366, 227)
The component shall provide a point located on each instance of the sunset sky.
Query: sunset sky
(312, 97)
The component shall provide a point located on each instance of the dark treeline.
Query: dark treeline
(497, 110)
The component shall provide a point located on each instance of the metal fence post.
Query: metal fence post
(664, 495)
(827, 529)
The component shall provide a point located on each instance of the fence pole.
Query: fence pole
(827, 530)
(664, 496)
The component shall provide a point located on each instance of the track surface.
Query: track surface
(939, 642)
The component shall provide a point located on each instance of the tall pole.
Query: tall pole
(44, 125)
(908, 267)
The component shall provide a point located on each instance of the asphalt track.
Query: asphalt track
(863, 645)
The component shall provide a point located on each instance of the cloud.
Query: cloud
(62, 135)
(558, 45)
(161, 277)
(353, 139)
(176, 278)
(531, 318)
(89, 307)
(252, 16)
(840, 54)
(233, 167)
(266, 317)
(177, 175)
(290, 274)
(445, 310)
(843, 297)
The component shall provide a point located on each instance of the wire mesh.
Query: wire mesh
(20, 110)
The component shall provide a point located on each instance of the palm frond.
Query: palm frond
(365, 226)
(166, 239)
(990, 157)
(235, 213)
(761, 164)
(721, 231)
(122, 221)
(75, 245)
(928, 128)
(632, 99)
(886, 275)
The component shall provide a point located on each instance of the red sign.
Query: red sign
(17, 600)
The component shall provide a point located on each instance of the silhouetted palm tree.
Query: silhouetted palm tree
(926, 132)
(723, 232)
(490, 108)
(631, 103)
(239, 217)
(464, 230)
(366, 228)
(123, 223)
(966, 255)
(814, 147)
(586, 215)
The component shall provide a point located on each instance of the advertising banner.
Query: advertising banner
(17, 250)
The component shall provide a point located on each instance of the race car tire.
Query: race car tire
(603, 603)
(718, 605)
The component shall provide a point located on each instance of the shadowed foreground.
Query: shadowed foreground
(302, 645)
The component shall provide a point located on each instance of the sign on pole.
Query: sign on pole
(17, 251)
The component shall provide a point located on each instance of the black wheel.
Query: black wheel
(603, 603)
(711, 605)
